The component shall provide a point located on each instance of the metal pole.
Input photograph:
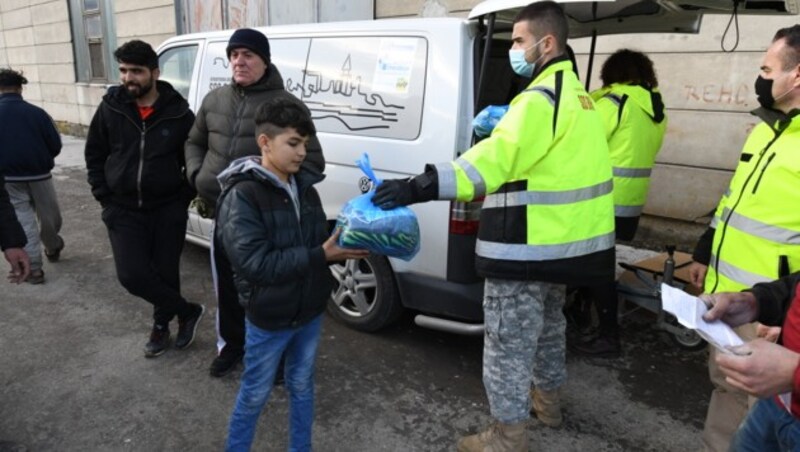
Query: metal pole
(484, 59)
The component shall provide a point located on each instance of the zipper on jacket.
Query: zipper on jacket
(735, 205)
(142, 131)
(238, 124)
(141, 165)
(763, 168)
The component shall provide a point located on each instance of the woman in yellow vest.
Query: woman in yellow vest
(635, 122)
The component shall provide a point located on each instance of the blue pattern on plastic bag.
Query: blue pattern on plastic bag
(392, 232)
(487, 119)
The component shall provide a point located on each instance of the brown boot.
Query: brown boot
(547, 406)
(497, 438)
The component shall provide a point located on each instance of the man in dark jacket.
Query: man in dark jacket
(29, 143)
(134, 158)
(12, 239)
(223, 131)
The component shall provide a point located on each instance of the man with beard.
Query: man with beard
(134, 158)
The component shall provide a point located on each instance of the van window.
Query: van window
(371, 86)
(177, 65)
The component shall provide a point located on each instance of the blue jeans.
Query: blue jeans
(768, 426)
(263, 350)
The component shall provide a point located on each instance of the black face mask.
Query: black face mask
(764, 92)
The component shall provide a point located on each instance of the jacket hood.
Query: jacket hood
(648, 100)
(250, 167)
(271, 80)
(117, 95)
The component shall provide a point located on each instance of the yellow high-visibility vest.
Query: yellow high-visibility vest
(757, 222)
(546, 174)
(635, 123)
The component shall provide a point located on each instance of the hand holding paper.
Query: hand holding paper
(689, 311)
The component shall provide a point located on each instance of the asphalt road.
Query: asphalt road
(73, 376)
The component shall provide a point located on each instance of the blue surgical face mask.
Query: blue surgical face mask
(520, 64)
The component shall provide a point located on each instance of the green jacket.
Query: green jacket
(545, 171)
(635, 123)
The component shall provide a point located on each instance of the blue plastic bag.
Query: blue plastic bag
(487, 119)
(392, 232)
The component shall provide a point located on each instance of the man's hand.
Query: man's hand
(333, 252)
(767, 370)
(768, 333)
(733, 308)
(697, 273)
(20, 264)
(393, 193)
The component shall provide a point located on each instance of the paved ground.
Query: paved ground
(73, 377)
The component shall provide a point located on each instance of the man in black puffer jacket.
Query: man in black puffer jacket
(223, 132)
(134, 158)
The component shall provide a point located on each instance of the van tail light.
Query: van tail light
(465, 216)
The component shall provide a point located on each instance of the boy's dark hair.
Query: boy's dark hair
(10, 78)
(274, 115)
(547, 17)
(137, 52)
(791, 55)
(629, 66)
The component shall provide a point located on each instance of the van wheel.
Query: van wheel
(365, 296)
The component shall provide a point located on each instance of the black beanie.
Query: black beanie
(250, 39)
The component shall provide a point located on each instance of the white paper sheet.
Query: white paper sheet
(689, 311)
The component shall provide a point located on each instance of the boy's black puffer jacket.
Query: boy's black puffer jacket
(278, 262)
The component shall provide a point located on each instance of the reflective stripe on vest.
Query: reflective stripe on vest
(524, 252)
(628, 211)
(447, 180)
(475, 178)
(632, 172)
(760, 229)
(523, 198)
(736, 274)
(549, 94)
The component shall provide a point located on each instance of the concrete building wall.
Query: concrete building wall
(36, 37)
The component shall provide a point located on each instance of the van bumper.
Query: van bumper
(439, 298)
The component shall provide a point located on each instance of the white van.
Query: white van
(405, 91)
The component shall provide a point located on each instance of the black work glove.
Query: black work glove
(393, 193)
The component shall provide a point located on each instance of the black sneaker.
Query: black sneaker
(188, 327)
(225, 363)
(158, 343)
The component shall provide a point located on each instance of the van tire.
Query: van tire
(382, 305)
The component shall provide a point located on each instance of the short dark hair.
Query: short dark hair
(10, 78)
(629, 66)
(137, 52)
(277, 114)
(547, 17)
(791, 56)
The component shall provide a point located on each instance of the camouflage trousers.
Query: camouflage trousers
(524, 341)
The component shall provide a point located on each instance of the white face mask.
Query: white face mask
(520, 64)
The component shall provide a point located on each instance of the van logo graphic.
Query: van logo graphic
(364, 184)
